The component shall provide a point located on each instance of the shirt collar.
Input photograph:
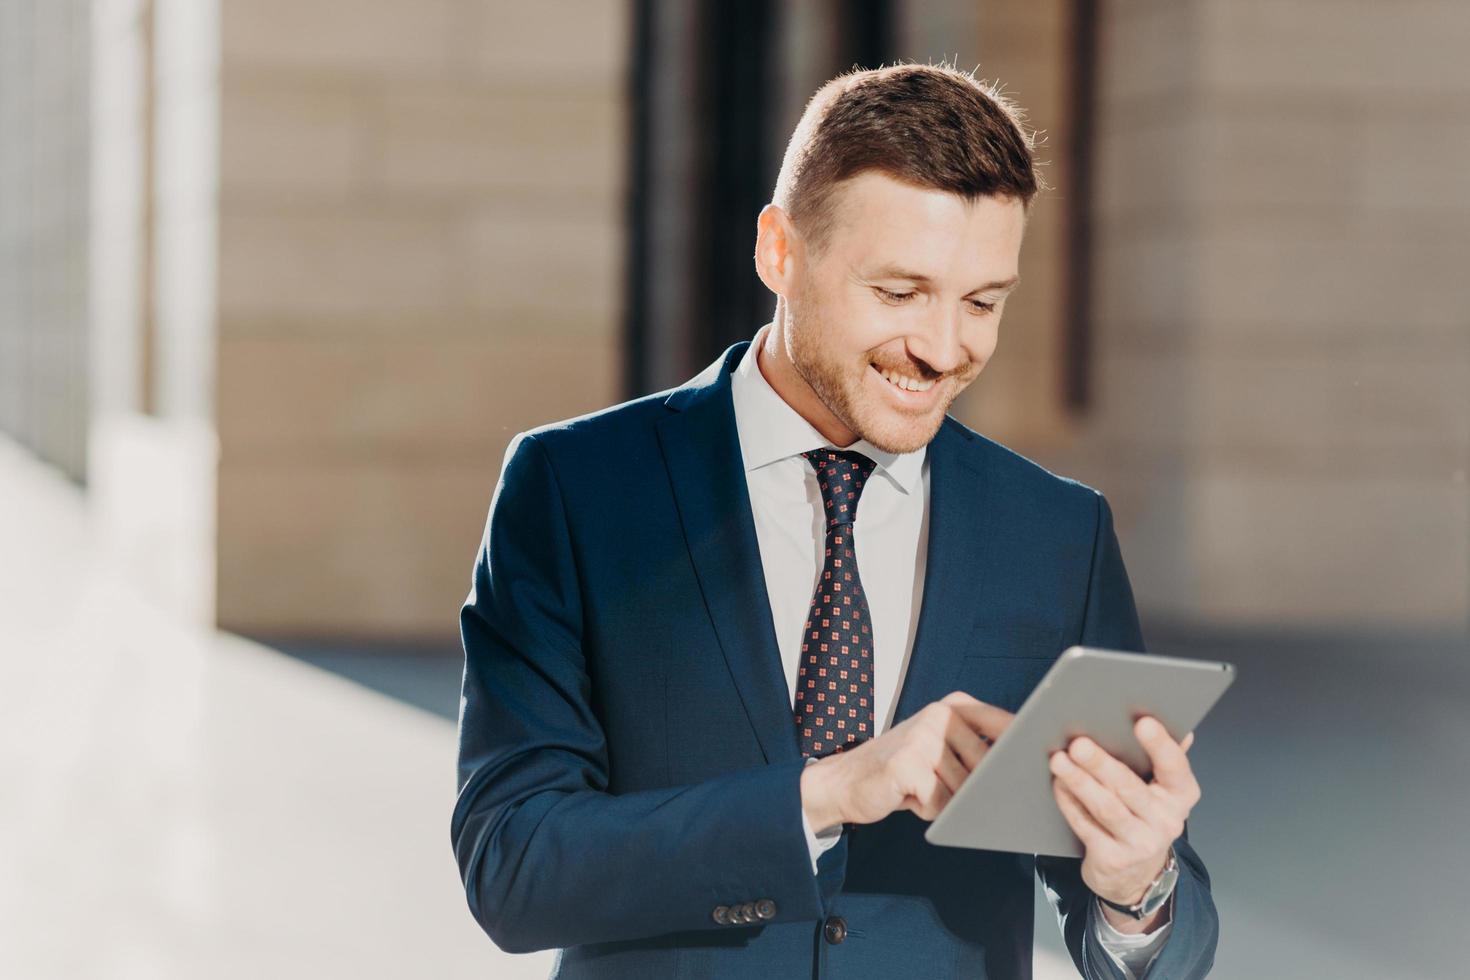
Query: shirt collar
(772, 430)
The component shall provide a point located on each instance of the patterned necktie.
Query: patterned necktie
(834, 683)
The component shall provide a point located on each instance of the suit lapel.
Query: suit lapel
(701, 447)
(956, 571)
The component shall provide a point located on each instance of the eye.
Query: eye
(889, 296)
(980, 306)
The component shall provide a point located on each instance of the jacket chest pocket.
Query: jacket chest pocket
(1005, 662)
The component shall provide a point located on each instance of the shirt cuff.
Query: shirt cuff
(1133, 953)
(816, 844)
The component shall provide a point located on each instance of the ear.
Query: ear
(777, 250)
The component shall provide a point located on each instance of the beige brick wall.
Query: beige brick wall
(420, 255)
(409, 212)
(1283, 356)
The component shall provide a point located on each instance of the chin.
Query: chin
(894, 435)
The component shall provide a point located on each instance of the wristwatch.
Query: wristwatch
(1155, 896)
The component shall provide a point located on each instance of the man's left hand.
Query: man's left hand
(1126, 825)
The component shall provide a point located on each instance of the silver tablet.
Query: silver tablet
(1006, 802)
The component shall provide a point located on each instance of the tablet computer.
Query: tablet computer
(1006, 802)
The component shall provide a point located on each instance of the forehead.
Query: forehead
(880, 219)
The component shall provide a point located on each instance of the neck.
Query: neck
(774, 363)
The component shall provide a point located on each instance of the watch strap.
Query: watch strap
(1136, 910)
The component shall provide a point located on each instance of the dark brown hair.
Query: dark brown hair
(929, 125)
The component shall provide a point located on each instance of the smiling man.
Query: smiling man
(730, 647)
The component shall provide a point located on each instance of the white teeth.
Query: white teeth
(906, 383)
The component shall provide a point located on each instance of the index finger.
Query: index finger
(1170, 764)
(987, 719)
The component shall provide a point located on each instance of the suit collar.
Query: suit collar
(701, 447)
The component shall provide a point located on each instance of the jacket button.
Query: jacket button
(722, 915)
(765, 909)
(747, 912)
(834, 930)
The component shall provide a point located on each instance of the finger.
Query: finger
(1113, 774)
(968, 745)
(1151, 805)
(1101, 802)
(1170, 764)
(1187, 741)
(936, 802)
(930, 795)
(952, 772)
(1077, 817)
(986, 719)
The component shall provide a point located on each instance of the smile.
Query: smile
(904, 381)
(907, 391)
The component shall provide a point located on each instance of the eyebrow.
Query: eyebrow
(894, 272)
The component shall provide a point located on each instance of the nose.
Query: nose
(938, 343)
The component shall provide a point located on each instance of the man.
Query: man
(729, 647)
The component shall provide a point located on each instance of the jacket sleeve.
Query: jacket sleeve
(548, 857)
(1110, 620)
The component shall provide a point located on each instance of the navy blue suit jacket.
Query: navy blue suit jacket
(627, 756)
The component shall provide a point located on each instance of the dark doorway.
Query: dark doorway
(705, 118)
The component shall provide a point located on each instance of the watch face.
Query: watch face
(1162, 889)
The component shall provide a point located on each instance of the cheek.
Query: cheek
(985, 339)
(854, 327)
(841, 308)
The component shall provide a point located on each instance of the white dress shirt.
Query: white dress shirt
(891, 534)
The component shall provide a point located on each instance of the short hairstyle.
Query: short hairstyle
(928, 125)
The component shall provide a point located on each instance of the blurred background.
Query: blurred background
(279, 280)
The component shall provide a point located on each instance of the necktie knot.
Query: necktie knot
(841, 473)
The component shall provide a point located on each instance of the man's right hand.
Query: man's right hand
(916, 765)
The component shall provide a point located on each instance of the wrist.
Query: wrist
(1145, 905)
(1139, 893)
(818, 796)
(1124, 924)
